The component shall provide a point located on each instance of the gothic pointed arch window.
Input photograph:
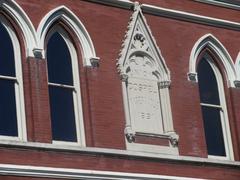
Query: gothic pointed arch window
(12, 114)
(64, 87)
(214, 110)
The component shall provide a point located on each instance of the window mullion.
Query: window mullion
(61, 85)
(8, 78)
(211, 105)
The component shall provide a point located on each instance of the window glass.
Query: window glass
(8, 116)
(61, 97)
(213, 131)
(207, 83)
(62, 114)
(7, 65)
(211, 110)
(59, 61)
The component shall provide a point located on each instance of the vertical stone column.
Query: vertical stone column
(166, 106)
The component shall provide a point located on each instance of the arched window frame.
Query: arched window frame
(65, 15)
(210, 41)
(223, 109)
(14, 11)
(19, 93)
(76, 85)
(237, 67)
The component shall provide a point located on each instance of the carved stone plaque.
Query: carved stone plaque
(144, 105)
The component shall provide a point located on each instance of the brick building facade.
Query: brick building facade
(116, 89)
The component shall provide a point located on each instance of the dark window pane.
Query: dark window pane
(213, 131)
(62, 114)
(7, 66)
(207, 83)
(8, 116)
(59, 61)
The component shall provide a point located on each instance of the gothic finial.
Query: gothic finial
(137, 6)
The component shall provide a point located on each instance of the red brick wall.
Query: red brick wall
(102, 94)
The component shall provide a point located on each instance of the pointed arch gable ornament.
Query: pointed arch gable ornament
(145, 84)
(71, 20)
(210, 41)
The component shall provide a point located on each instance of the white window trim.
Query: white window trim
(208, 40)
(237, 67)
(223, 113)
(24, 23)
(69, 18)
(19, 93)
(77, 102)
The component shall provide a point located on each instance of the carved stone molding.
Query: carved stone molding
(237, 83)
(140, 37)
(95, 61)
(164, 84)
(38, 53)
(140, 46)
(174, 138)
(143, 72)
(124, 77)
(192, 77)
(129, 134)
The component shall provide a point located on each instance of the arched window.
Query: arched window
(12, 115)
(64, 88)
(214, 111)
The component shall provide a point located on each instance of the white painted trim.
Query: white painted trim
(237, 66)
(226, 3)
(190, 17)
(67, 173)
(72, 21)
(210, 41)
(126, 4)
(76, 91)
(23, 22)
(18, 79)
(152, 148)
(116, 152)
(224, 114)
(175, 14)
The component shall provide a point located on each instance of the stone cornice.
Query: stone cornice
(126, 4)
(198, 161)
(67, 173)
(232, 4)
(174, 14)
(190, 17)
